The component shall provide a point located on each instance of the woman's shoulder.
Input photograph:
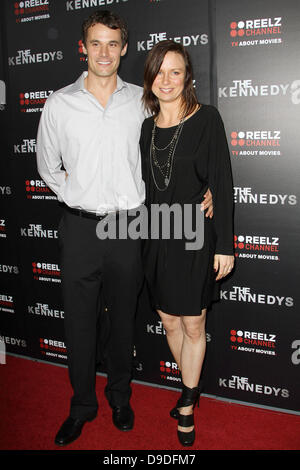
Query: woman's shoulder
(148, 121)
(206, 114)
(211, 115)
(210, 110)
(147, 124)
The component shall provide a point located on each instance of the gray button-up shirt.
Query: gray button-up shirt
(98, 147)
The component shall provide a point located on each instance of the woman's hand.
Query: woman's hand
(223, 265)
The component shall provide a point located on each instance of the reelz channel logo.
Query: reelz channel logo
(31, 10)
(246, 245)
(244, 32)
(254, 143)
(253, 342)
(6, 303)
(53, 348)
(3, 233)
(33, 101)
(82, 56)
(45, 272)
(169, 371)
(37, 189)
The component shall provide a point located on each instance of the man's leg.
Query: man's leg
(81, 284)
(123, 277)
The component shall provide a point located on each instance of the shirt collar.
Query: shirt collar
(79, 84)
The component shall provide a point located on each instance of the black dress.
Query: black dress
(182, 282)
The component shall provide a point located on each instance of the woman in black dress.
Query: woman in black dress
(184, 152)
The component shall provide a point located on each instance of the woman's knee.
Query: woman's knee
(171, 323)
(194, 327)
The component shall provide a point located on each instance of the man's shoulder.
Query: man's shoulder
(136, 90)
(62, 91)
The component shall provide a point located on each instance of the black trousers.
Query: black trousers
(95, 271)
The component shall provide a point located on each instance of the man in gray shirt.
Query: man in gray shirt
(92, 128)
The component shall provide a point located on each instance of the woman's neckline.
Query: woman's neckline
(187, 119)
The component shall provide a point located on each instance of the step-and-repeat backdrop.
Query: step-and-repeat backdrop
(246, 62)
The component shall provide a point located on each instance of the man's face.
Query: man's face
(104, 50)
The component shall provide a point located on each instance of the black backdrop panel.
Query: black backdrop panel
(246, 62)
(257, 87)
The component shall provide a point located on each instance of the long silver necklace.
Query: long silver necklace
(165, 168)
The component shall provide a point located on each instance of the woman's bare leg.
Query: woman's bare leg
(174, 333)
(187, 341)
(192, 355)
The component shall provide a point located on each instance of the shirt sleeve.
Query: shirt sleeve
(49, 160)
(221, 185)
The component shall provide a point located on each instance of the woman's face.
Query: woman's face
(169, 82)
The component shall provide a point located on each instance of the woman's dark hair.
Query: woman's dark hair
(107, 18)
(152, 66)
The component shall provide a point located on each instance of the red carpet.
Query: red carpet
(34, 401)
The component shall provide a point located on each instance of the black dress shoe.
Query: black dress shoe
(70, 430)
(123, 417)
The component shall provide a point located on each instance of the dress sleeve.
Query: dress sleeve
(144, 158)
(221, 185)
(142, 149)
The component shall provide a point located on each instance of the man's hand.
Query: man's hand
(208, 204)
(223, 265)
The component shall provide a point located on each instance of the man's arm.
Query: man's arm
(208, 204)
(48, 153)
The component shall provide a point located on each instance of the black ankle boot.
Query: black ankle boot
(190, 396)
(174, 413)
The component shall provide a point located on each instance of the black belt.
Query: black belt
(89, 215)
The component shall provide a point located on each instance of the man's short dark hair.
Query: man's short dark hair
(107, 18)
